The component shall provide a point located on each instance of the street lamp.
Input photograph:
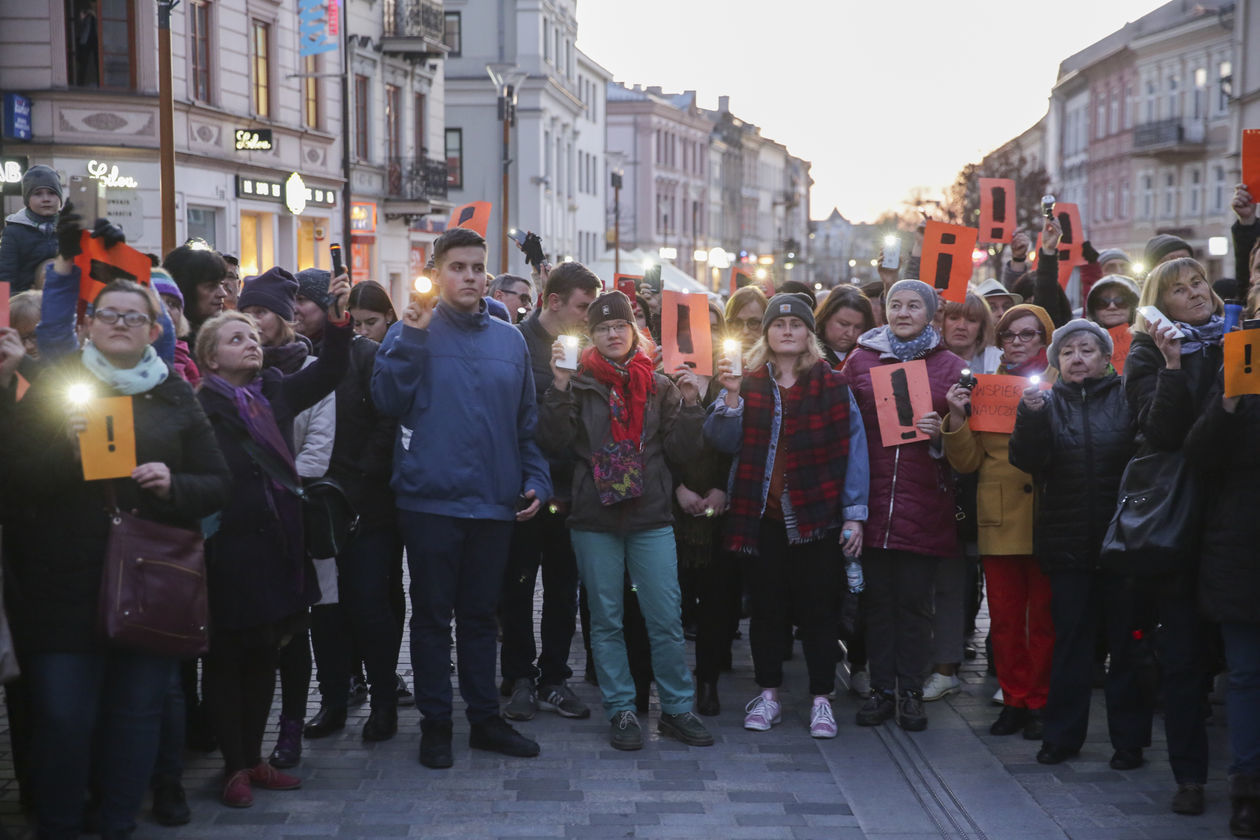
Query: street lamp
(507, 80)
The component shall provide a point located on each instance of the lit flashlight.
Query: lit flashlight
(423, 285)
(732, 350)
(1034, 380)
(79, 394)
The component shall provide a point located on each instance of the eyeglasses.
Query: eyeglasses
(610, 327)
(1023, 337)
(131, 319)
(1108, 302)
(753, 324)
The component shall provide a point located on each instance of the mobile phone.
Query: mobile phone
(570, 360)
(522, 502)
(1047, 206)
(335, 250)
(1251, 324)
(626, 286)
(89, 203)
(892, 252)
(1154, 318)
(530, 245)
(733, 351)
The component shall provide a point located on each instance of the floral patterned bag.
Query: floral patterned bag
(618, 472)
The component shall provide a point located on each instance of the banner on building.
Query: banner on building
(319, 26)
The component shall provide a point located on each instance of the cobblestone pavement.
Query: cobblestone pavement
(953, 781)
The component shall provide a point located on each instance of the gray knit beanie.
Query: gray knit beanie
(921, 289)
(40, 176)
(789, 304)
(1063, 333)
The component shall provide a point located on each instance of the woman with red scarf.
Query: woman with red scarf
(1019, 593)
(624, 424)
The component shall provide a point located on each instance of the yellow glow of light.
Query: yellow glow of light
(761, 274)
(79, 393)
(423, 285)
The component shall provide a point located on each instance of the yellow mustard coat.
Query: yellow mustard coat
(1005, 497)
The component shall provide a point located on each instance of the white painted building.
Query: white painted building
(559, 113)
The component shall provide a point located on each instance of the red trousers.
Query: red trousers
(1021, 627)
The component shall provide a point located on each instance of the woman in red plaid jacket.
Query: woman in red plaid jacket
(797, 496)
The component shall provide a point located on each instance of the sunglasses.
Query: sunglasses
(1108, 302)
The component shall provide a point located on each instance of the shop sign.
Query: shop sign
(363, 216)
(108, 175)
(280, 192)
(11, 171)
(17, 117)
(253, 140)
(318, 26)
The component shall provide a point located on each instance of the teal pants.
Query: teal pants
(651, 559)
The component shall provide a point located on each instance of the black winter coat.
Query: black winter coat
(58, 522)
(256, 563)
(1225, 451)
(1076, 448)
(1167, 402)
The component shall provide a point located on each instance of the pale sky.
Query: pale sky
(881, 97)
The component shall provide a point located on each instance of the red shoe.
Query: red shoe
(268, 777)
(236, 792)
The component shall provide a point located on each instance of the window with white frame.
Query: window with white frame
(1170, 194)
(1129, 105)
(1100, 120)
(1124, 199)
(1109, 210)
(1148, 196)
(1224, 86)
(1150, 101)
(1173, 98)
(1195, 198)
(1218, 188)
(1113, 122)
(1200, 93)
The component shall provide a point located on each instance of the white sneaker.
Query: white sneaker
(822, 723)
(763, 713)
(937, 686)
(998, 700)
(860, 682)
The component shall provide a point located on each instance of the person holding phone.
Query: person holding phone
(98, 707)
(624, 424)
(459, 383)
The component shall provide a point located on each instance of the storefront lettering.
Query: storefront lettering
(248, 140)
(109, 176)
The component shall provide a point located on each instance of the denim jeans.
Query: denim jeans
(651, 559)
(542, 542)
(456, 569)
(1242, 651)
(363, 620)
(105, 707)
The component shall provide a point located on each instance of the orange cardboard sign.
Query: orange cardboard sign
(686, 334)
(627, 284)
(1071, 243)
(108, 444)
(994, 401)
(1121, 340)
(741, 277)
(946, 262)
(1242, 363)
(4, 304)
(99, 265)
(475, 215)
(902, 395)
(1251, 161)
(997, 209)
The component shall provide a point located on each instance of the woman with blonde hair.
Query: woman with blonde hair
(744, 311)
(1168, 381)
(798, 496)
(968, 331)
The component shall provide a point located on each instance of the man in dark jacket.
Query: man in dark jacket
(466, 466)
(544, 540)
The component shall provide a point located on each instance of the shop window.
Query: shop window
(455, 158)
(100, 34)
(258, 243)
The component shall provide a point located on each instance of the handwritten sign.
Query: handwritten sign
(997, 209)
(4, 304)
(99, 265)
(108, 444)
(475, 215)
(902, 395)
(1251, 161)
(1121, 340)
(994, 401)
(946, 262)
(1242, 363)
(686, 335)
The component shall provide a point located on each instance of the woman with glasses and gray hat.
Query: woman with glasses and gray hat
(798, 495)
(1076, 440)
(911, 522)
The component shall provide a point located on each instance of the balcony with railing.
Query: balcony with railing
(1169, 137)
(414, 28)
(414, 185)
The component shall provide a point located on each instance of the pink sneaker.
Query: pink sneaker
(822, 723)
(763, 713)
(236, 791)
(269, 778)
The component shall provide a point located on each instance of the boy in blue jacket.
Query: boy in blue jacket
(466, 467)
(30, 234)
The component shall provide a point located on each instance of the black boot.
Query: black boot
(1244, 796)
(382, 723)
(435, 744)
(170, 806)
(326, 721)
(707, 702)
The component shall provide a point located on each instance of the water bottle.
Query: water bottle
(853, 568)
(1233, 315)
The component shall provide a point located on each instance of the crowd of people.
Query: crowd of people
(493, 431)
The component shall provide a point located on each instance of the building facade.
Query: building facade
(257, 146)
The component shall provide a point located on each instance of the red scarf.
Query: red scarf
(1037, 364)
(628, 387)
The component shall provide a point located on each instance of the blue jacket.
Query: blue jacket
(27, 241)
(463, 393)
(59, 310)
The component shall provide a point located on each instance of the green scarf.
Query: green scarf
(148, 373)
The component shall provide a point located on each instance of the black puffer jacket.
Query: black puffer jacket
(1167, 402)
(1076, 449)
(1225, 451)
(58, 523)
